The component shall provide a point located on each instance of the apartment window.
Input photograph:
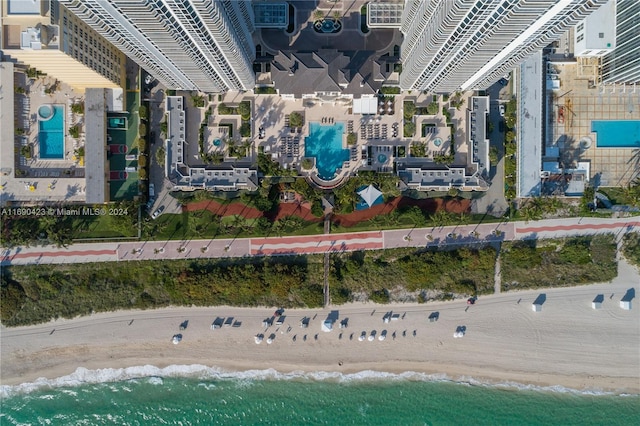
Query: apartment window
(580, 27)
(580, 38)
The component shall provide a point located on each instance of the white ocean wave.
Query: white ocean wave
(155, 375)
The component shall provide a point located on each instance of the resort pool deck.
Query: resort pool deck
(617, 133)
(51, 132)
(325, 144)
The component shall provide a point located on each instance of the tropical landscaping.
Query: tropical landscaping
(37, 293)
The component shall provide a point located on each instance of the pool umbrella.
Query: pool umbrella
(370, 194)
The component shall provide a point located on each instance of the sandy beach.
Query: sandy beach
(567, 344)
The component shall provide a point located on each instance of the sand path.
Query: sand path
(567, 344)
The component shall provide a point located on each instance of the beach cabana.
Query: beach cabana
(625, 304)
(597, 302)
(327, 326)
(370, 194)
(536, 307)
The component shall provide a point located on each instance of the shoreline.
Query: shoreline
(82, 376)
(568, 344)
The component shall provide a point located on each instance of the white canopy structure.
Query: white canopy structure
(327, 326)
(365, 106)
(370, 194)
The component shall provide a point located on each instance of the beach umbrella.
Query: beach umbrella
(32, 188)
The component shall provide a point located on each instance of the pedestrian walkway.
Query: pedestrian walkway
(375, 240)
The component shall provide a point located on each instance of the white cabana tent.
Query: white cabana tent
(625, 304)
(365, 106)
(327, 326)
(536, 307)
(370, 194)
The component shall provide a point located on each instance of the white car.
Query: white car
(177, 339)
(501, 110)
(157, 212)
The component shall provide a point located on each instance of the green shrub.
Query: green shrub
(379, 296)
(245, 110)
(296, 119)
(307, 163)
(409, 110)
(245, 129)
(142, 129)
(390, 90)
(74, 131)
(352, 138)
(77, 108)
(25, 151)
(409, 129)
(432, 108)
(142, 161)
(142, 112)
(265, 91)
(142, 145)
(142, 173)
(316, 208)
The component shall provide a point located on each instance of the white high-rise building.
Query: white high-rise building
(469, 44)
(203, 45)
(623, 64)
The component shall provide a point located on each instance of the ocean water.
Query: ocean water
(186, 395)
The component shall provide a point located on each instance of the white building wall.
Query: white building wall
(468, 44)
(192, 45)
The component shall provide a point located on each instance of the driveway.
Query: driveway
(157, 176)
(493, 202)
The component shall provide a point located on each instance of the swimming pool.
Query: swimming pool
(117, 123)
(617, 133)
(325, 144)
(51, 133)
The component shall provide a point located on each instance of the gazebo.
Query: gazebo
(370, 194)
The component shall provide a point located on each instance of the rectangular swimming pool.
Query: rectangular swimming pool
(51, 135)
(617, 133)
(325, 144)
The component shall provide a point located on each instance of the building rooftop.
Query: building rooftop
(478, 141)
(530, 126)
(23, 7)
(271, 15)
(384, 15)
(327, 70)
(95, 116)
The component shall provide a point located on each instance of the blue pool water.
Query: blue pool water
(51, 135)
(617, 133)
(117, 123)
(325, 144)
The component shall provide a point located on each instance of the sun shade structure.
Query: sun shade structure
(370, 194)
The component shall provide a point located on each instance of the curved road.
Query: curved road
(370, 240)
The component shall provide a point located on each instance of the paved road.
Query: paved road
(417, 237)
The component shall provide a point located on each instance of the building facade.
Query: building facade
(202, 45)
(623, 64)
(469, 44)
(45, 36)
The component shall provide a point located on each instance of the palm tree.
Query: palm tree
(318, 15)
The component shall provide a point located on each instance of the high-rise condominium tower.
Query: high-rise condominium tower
(623, 64)
(200, 45)
(469, 44)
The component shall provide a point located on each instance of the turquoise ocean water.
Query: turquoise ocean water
(199, 395)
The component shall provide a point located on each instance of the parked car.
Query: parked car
(152, 190)
(501, 110)
(471, 301)
(501, 126)
(157, 212)
(503, 81)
